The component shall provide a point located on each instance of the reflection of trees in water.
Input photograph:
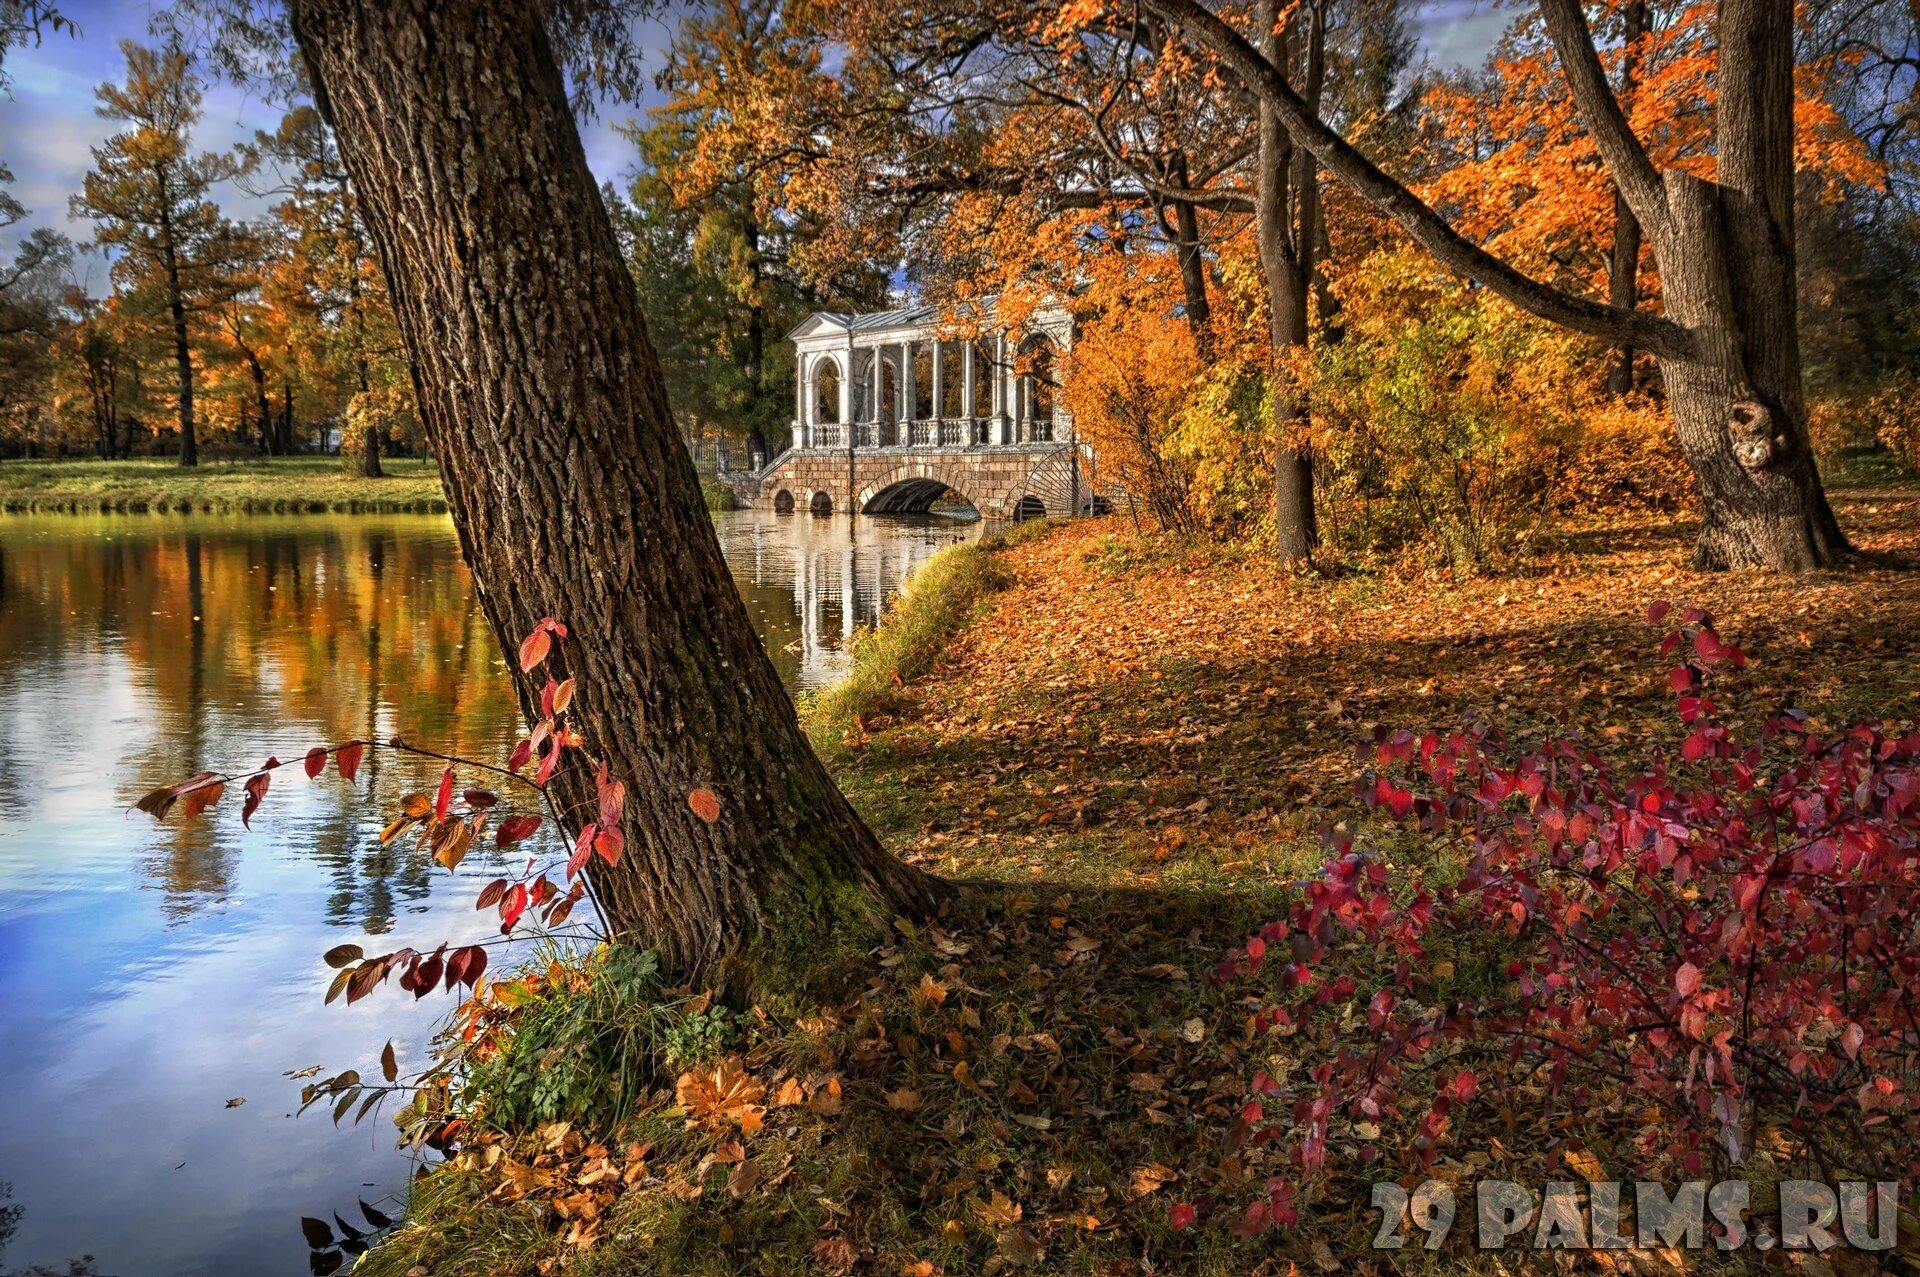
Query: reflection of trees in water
(10, 1213)
(243, 637)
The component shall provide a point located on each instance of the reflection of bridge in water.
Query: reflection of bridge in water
(890, 417)
(811, 583)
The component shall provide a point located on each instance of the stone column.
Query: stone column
(966, 388)
(799, 399)
(1009, 392)
(846, 392)
(907, 404)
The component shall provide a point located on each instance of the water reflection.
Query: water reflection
(155, 972)
(809, 583)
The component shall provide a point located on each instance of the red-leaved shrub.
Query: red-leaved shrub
(1711, 946)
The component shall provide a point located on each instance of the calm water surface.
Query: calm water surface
(151, 974)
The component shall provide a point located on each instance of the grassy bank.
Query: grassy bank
(937, 600)
(1136, 741)
(292, 485)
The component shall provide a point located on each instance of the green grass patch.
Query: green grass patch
(937, 600)
(278, 485)
(718, 495)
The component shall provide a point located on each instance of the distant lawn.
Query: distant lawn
(293, 485)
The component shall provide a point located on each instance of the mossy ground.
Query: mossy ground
(278, 485)
(1129, 745)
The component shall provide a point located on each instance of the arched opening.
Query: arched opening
(783, 502)
(1029, 507)
(1039, 385)
(922, 383)
(920, 496)
(986, 380)
(820, 503)
(826, 392)
(885, 394)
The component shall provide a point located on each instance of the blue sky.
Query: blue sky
(48, 123)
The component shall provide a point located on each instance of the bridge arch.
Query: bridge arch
(783, 502)
(820, 503)
(913, 487)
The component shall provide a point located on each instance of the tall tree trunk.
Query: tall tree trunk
(268, 437)
(571, 492)
(286, 417)
(1623, 265)
(756, 361)
(1286, 310)
(1727, 273)
(182, 353)
(370, 440)
(1193, 263)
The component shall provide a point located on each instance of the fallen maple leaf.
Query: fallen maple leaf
(726, 1095)
(1151, 1178)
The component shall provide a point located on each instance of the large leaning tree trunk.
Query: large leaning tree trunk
(571, 492)
(1728, 344)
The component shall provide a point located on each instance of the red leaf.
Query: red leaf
(257, 790)
(443, 800)
(582, 851)
(316, 761)
(544, 772)
(491, 894)
(1686, 979)
(546, 697)
(522, 752)
(200, 791)
(1656, 612)
(613, 798)
(479, 797)
(534, 648)
(456, 967)
(347, 758)
(429, 973)
(512, 907)
(704, 805)
(476, 964)
(1182, 1216)
(515, 829)
(609, 843)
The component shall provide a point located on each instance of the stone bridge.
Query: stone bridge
(1001, 481)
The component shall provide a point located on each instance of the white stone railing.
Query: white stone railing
(931, 432)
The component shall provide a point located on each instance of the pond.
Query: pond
(163, 983)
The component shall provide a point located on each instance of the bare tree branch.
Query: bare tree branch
(1450, 248)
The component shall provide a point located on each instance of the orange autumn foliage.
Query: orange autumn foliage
(1522, 175)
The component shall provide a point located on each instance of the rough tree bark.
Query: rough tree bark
(1284, 233)
(571, 492)
(1185, 226)
(1728, 345)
